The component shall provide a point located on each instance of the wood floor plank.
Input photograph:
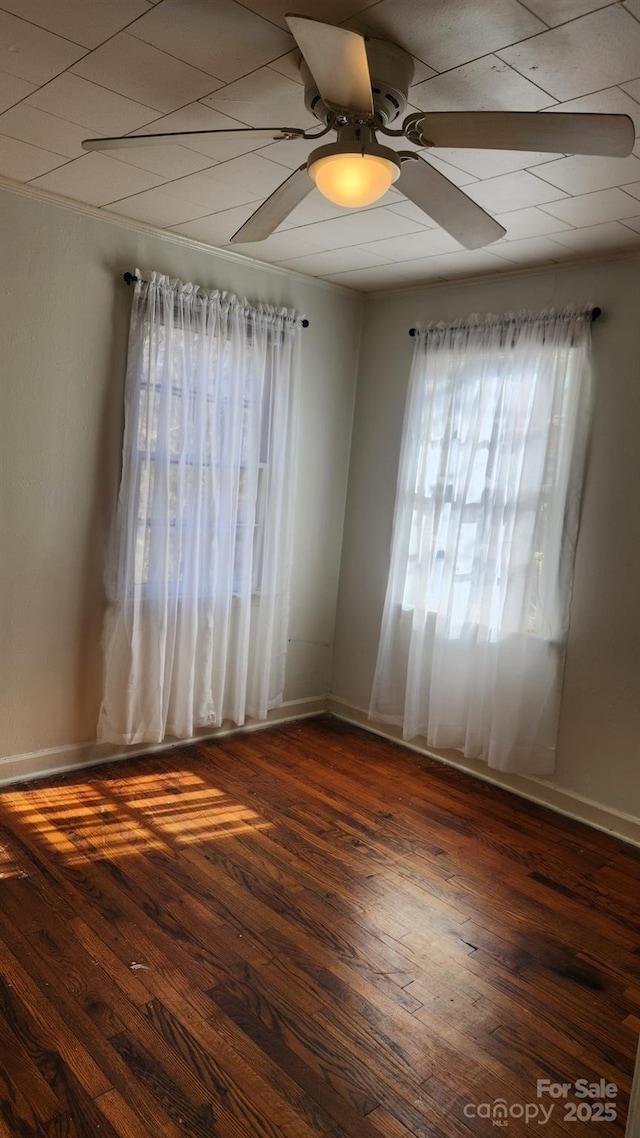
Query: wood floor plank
(16, 1110)
(64, 1042)
(322, 1078)
(23, 1072)
(301, 933)
(38, 1024)
(254, 1108)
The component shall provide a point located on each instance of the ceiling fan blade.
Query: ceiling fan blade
(184, 137)
(273, 211)
(337, 59)
(612, 135)
(446, 204)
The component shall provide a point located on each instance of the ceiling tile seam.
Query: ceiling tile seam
(223, 83)
(449, 70)
(23, 97)
(67, 70)
(177, 198)
(535, 15)
(626, 83)
(545, 237)
(370, 246)
(217, 163)
(61, 118)
(357, 15)
(174, 224)
(299, 229)
(571, 20)
(88, 50)
(271, 64)
(41, 86)
(552, 157)
(160, 115)
(621, 89)
(53, 153)
(568, 194)
(165, 114)
(554, 101)
(616, 4)
(601, 91)
(206, 74)
(533, 237)
(587, 194)
(253, 12)
(632, 14)
(419, 228)
(363, 247)
(47, 31)
(488, 55)
(241, 122)
(360, 244)
(467, 62)
(69, 122)
(158, 185)
(532, 174)
(68, 161)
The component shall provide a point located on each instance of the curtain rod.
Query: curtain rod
(130, 278)
(595, 313)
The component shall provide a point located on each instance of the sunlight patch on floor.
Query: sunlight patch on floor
(116, 817)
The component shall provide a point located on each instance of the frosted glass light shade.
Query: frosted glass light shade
(353, 179)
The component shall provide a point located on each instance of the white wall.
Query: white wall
(599, 741)
(64, 318)
(64, 327)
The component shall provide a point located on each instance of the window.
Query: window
(198, 578)
(479, 447)
(184, 465)
(477, 606)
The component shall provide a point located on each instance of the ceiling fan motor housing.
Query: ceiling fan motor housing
(391, 71)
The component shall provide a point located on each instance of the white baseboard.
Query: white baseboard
(544, 793)
(77, 756)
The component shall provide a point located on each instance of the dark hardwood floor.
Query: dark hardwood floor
(309, 931)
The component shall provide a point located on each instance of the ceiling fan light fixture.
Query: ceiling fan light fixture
(353, 177)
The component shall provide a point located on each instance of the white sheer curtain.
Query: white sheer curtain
(476, 614)
(198, 578)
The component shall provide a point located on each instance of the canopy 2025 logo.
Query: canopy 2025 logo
(581, 1101)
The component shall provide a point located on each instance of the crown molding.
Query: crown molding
(102, 214)
(554, 267)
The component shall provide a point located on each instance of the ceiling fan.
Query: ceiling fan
(356, 86)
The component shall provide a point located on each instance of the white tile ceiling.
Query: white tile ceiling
(71, 69)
